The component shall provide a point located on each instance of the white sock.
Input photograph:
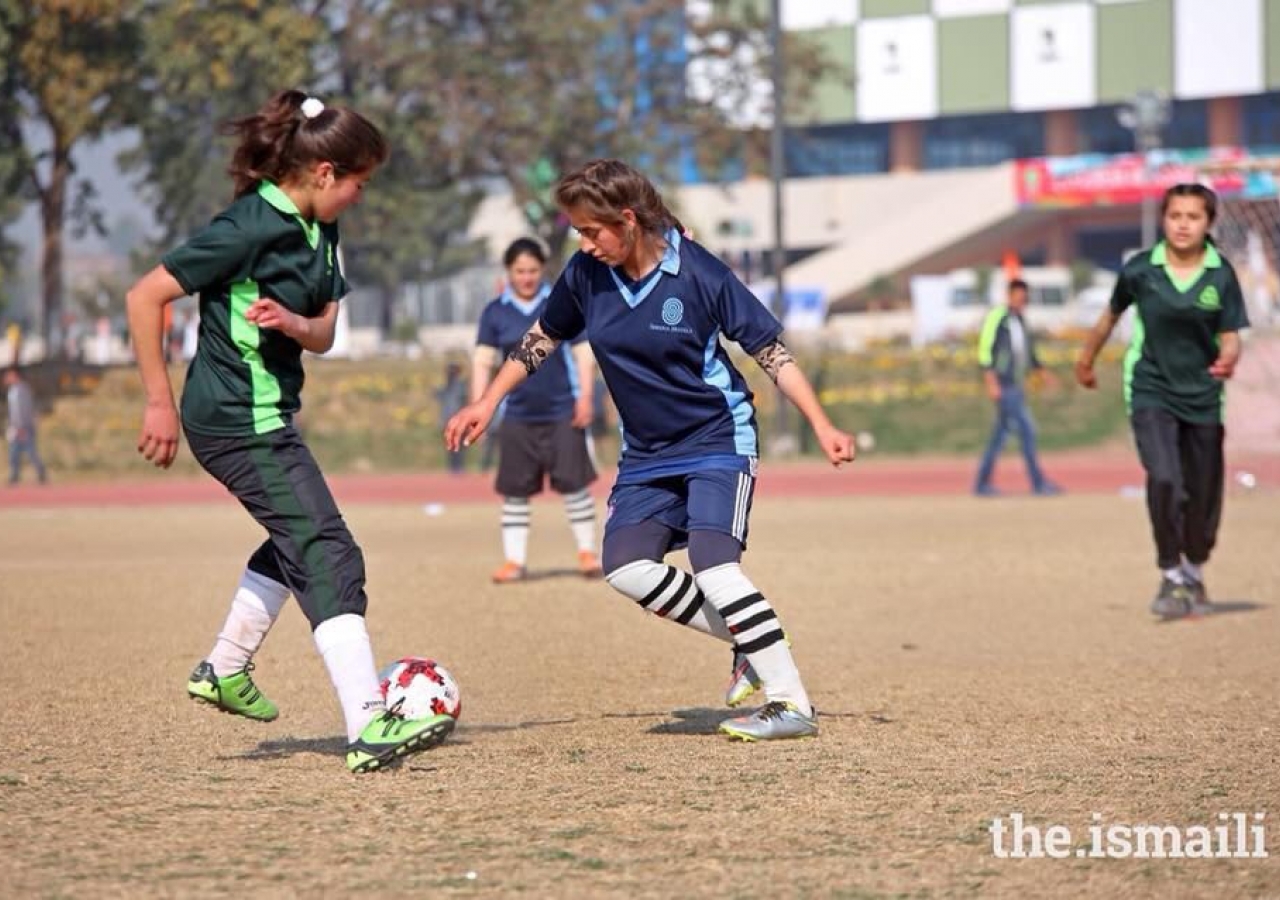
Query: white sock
(1193, 571)
(343, 641)
(515, 529)
(1174, 575)
(667, 592)
(582, 518)
(254, 608)
(756, 633)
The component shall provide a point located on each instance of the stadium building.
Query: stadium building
(950, 136)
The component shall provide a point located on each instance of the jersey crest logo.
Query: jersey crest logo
(1209, 299)
(672, 311)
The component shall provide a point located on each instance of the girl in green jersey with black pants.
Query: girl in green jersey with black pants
(1188, 313)
(269, 280)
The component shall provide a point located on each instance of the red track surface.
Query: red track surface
(1078, 473)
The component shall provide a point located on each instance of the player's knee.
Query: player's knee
(1163, 485)
(726, 581)
(637, 578)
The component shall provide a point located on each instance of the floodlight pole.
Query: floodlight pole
(777, 151)
(778, 174)
(1146, 115)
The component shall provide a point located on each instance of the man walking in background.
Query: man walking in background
(1007, 353)
(21, 430)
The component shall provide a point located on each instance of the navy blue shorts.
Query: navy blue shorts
(713, 500)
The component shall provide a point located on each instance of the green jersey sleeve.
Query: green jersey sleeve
(1122, 295)
(220, 254)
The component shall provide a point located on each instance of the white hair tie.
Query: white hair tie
(312, 107)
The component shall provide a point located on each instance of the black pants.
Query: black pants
(308, 548)
(1185, 474)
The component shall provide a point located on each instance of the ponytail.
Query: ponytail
(292, 131)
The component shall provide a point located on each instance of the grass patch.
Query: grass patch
(383, 416)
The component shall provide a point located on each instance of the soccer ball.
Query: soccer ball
(418, 688)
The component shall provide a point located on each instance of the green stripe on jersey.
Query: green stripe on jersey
(248, 339)
(1131, 357)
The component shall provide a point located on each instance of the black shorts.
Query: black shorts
(530, 451)
(308, 548)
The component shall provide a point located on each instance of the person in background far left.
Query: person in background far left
(21, 429)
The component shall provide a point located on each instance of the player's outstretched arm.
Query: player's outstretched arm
(145, 303)
(483, 360)
(470, 422)
(780, 365)
(1092, 344)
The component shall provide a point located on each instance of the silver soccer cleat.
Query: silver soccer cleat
(743, 682)
(772, 722)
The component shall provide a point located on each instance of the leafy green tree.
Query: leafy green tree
(69, 76)
(534, 88)
(12, 168)
(205, 62)
(412, 224)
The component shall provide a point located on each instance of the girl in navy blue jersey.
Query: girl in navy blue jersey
(543, 431)
(654, 304)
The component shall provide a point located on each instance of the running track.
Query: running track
(1078, 473)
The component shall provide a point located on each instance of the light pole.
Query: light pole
(1146, 115)
(778, 174)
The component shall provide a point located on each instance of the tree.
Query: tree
(69, 68)
(12, 169)
(412, 224)
(534, 88)
(205, 62)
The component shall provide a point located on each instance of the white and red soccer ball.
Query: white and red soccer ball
(418, 688)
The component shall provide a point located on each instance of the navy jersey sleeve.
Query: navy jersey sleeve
(219, 254)
(1234, 314)
(487, 333)
(742, 317)
(338, 286)
(563, 318)
(1122, 295)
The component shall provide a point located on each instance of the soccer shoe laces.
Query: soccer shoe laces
(772, 710)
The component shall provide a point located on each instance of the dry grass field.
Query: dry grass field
(971, 659)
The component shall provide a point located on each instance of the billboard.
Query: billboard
(1218, 48)
(897, 69)
(1103, 180)
(1053, 49)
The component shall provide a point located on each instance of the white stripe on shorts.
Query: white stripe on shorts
(740, 506)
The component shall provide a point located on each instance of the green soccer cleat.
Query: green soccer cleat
(390, 736)
(235, 693)
(1173, 601)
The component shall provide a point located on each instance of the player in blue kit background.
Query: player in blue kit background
(543, 430)
(654, 305)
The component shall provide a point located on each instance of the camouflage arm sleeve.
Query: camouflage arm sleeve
(772, 357)
(534, 349)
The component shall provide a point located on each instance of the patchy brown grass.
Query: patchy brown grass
(971, 659)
